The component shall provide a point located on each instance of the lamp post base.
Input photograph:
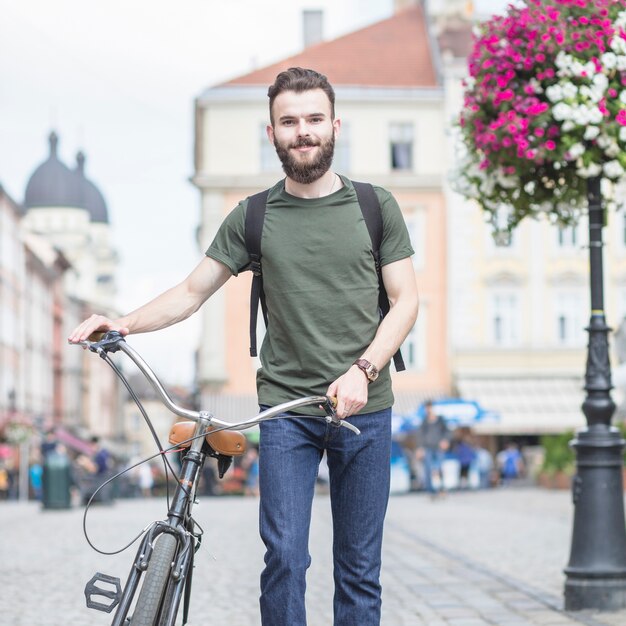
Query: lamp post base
(596, 573)
(603, 594)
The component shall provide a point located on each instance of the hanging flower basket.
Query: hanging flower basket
(544, 109)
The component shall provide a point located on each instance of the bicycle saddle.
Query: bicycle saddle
(227, 442)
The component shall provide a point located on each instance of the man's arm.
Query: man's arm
(351, 388)
(172, 306)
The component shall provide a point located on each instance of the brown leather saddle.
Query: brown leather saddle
(226, 442)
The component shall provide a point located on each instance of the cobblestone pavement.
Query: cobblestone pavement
(469, 559)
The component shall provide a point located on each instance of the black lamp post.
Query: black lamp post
(596, 572)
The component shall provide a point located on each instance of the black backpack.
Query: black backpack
(255, 216)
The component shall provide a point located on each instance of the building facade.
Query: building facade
(57, 265)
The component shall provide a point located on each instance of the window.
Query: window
(505, 330)
(416, 225)
(341, 160)
(567, 236)
(414, 346)
(570, 308)
(401, 144)
(312, 26)
(268, 157)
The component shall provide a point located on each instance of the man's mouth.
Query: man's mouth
(304, 145)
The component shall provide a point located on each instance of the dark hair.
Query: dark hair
(299, 79)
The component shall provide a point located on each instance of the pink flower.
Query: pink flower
(540, 132)
(550, 145)
(620, 118)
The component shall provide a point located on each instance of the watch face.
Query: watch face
(372, 373)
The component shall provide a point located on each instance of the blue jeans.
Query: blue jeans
(290, 453)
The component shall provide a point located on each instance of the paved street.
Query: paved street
(467, 560)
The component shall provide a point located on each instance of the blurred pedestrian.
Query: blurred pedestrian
(433, 438)
(466, 455)
(485, 465)
(510, 462)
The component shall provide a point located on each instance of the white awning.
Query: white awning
(527, 404)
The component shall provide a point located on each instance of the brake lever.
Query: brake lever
(109, 342)
(331, 416)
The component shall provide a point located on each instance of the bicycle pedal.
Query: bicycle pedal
(113, 591)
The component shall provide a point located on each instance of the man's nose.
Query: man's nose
(303, 128)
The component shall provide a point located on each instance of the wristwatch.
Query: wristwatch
(370, 370)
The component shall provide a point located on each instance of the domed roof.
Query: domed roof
(52, 183)
(89, 195)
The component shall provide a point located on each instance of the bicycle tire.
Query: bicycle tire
(155, 581)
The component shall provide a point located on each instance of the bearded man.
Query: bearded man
(324, 336)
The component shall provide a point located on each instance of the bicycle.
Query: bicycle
(163, 565)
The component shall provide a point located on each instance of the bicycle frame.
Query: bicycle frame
(178, 522)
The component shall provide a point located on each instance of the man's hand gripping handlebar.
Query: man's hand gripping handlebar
(331, 415)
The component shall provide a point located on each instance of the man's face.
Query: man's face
(303, 133)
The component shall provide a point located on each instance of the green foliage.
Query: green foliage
(559, 456)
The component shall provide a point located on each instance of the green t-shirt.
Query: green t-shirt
(321, 288)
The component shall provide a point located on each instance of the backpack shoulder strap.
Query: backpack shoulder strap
(372, 214)
(255, 217)
(370, 207)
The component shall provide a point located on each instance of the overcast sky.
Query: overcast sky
(117, 79)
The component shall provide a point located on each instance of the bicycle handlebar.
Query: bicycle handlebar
(113, 341)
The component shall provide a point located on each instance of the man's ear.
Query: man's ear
(269, 129)
(336, 126)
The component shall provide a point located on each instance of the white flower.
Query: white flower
(508, 182)
(600, 81)
(595, 115)
(622, 134)
(613, 150)
(569, 90)
(563, 60)
(529, 187)
(609, 60)
(618, 45)
(604, 141)
(621, 63)
(622, 96)
(613, 169)
(578, 149)
(567, 126)
(561, 111)
(593, 169)
(554, 93)
(580, 116)
(591, 132)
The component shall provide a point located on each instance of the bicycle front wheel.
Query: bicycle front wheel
(155, 581)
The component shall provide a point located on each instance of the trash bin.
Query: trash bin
(56, 481)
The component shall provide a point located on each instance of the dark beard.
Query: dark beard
(307, 173)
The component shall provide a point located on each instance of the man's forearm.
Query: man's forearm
(392, 331)
(172, 306)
